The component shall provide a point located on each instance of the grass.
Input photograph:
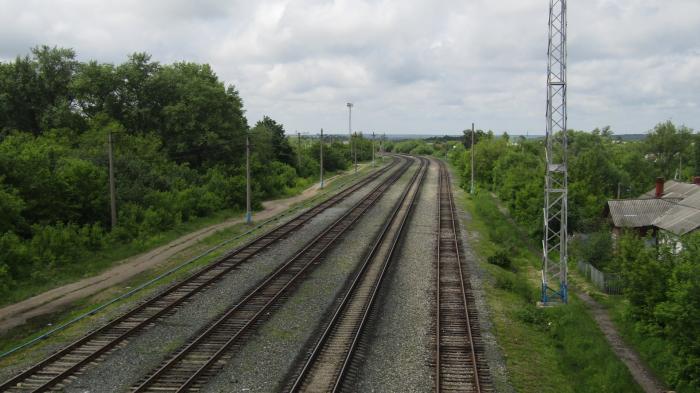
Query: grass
(557, 349)
(38, 326)
(102, 260)
(655, 351)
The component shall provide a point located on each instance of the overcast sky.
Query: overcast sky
(409, 66)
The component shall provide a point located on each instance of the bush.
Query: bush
(519, 286)
(501, 259)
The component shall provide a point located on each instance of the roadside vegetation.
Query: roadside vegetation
(660, 309)
(546, 350)
(178, 138)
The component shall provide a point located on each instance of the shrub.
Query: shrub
(500, 258)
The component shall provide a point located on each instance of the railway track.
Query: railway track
(459, 357)
(201, 358)
(53, 371)
(328, 363)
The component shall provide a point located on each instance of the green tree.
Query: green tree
(670, 146)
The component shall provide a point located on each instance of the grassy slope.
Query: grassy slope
(38, 326)
(547, 350)
(102, 260)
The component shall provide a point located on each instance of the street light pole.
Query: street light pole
(248, 211)
(321, 157)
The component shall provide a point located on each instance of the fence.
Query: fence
(606, 282)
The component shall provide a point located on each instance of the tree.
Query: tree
(669, 144)
(280, 148)
(467, 137)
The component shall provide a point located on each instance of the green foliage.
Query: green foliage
(663, 290)
(571, 353)
(669, 145)
(595, 248)
(178, 140)
(500, 258)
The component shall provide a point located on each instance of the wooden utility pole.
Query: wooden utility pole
(471, 188)
(321, 158)
(372, 148)
(112, 192)
(248, 211)
(299, 151)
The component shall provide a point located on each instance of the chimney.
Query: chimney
(659, 187)
(696, 180)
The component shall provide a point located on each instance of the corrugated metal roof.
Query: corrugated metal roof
(683, 217)
(635, 213)
(675, 190)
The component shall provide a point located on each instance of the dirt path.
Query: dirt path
(640, 372)
(59, 298)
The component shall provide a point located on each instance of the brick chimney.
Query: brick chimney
(696, 180)
(659, 187)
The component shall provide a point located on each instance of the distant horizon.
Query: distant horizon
(413, 66)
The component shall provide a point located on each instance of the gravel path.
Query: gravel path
(399, 349)
(641, 373)
(263, 363)
(64, 296)
(127, 364)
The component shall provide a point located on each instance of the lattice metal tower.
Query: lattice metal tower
(554, 243)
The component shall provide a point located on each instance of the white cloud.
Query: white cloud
(409, 66)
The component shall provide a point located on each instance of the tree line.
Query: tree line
(179, 153)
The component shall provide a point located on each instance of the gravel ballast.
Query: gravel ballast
(263, 363)
(128, 364)
(398, 353)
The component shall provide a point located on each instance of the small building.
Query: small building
(672, 208)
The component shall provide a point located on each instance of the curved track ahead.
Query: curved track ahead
(65, 363)
(459, 358)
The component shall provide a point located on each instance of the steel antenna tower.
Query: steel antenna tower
(554, 247)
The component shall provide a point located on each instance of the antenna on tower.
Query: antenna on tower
(554, 242)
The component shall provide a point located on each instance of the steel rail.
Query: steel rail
(453, 352)
(353, 297)
(115, 333)
(180, 372)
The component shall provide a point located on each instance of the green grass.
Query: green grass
(557, 349)
(655, 351)
(38, 326)
(102, 260)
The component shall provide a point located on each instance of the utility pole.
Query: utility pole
(353, 152)
(321, 157)
(555, 234)
(356, 147)
(248, 211)
(299, 149)
(471, 188)
(372, 148)
(112, 192)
